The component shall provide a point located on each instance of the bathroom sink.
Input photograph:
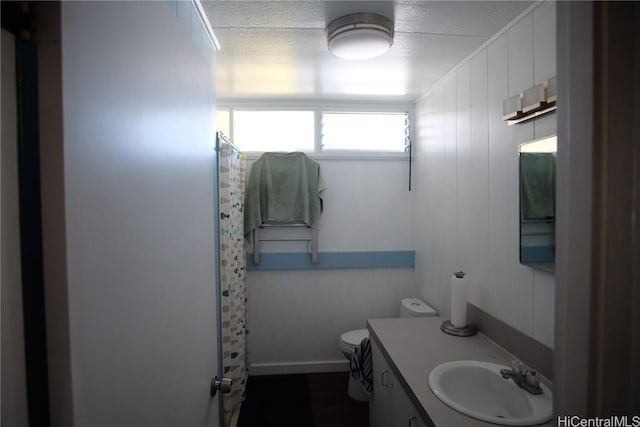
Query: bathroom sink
(478, 390)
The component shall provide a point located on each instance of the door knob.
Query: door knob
(224, 385)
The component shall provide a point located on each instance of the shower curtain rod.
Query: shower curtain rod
(224, 138)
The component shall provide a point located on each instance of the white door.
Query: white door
(139, 133)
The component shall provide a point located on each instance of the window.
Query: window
(364, 131)
(223, 121)
(326, 130)
(265, 130)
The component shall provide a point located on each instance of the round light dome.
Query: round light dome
(360, 36)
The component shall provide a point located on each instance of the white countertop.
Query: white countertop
(414, 346)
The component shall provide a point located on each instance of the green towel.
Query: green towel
(283, 187)
(537, 185)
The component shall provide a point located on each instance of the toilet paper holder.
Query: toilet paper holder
(448, 328)
(458, 309)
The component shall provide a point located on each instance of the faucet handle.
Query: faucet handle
(533, 378)
(517, 366)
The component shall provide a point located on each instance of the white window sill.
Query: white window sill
(344, 155)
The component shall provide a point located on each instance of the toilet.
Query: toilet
(409, 307)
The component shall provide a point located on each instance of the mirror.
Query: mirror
(537, 161)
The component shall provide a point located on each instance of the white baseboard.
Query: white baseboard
(298, 367)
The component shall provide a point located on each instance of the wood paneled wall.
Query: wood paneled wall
(467, 178)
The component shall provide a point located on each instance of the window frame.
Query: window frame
(403, 114)
(330, 107)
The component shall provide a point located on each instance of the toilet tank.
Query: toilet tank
(415, 307)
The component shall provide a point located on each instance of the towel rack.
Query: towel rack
(313, 239)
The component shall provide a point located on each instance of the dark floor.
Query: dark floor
(305, 400)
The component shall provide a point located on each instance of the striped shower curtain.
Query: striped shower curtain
(232, 171)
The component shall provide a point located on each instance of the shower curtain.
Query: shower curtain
(231, 179)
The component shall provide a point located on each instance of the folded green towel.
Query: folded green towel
(537, 185)
(282, 188)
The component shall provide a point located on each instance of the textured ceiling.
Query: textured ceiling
(277, 49)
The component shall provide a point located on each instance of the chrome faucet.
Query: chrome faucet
(522, 375)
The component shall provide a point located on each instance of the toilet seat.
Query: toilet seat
(348, 342)
(351, 339)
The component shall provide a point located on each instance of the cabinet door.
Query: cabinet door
(403, 413)
(380, 404)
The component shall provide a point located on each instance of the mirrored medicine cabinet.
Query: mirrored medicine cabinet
(537, 172)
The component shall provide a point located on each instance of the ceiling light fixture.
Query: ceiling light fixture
(360, 36)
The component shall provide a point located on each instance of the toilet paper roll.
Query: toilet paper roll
(458, 301)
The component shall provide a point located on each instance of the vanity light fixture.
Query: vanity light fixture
(531, 103)
(533, 99)
(360, 36)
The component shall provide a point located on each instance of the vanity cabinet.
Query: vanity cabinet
(390, 405)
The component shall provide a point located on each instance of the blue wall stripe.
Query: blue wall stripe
(529, 254)
(332, 260)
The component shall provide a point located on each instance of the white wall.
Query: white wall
(466, 198)
(367, 205)
(296, 317)
(14, 386)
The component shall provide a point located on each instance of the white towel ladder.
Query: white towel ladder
(313, 239)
